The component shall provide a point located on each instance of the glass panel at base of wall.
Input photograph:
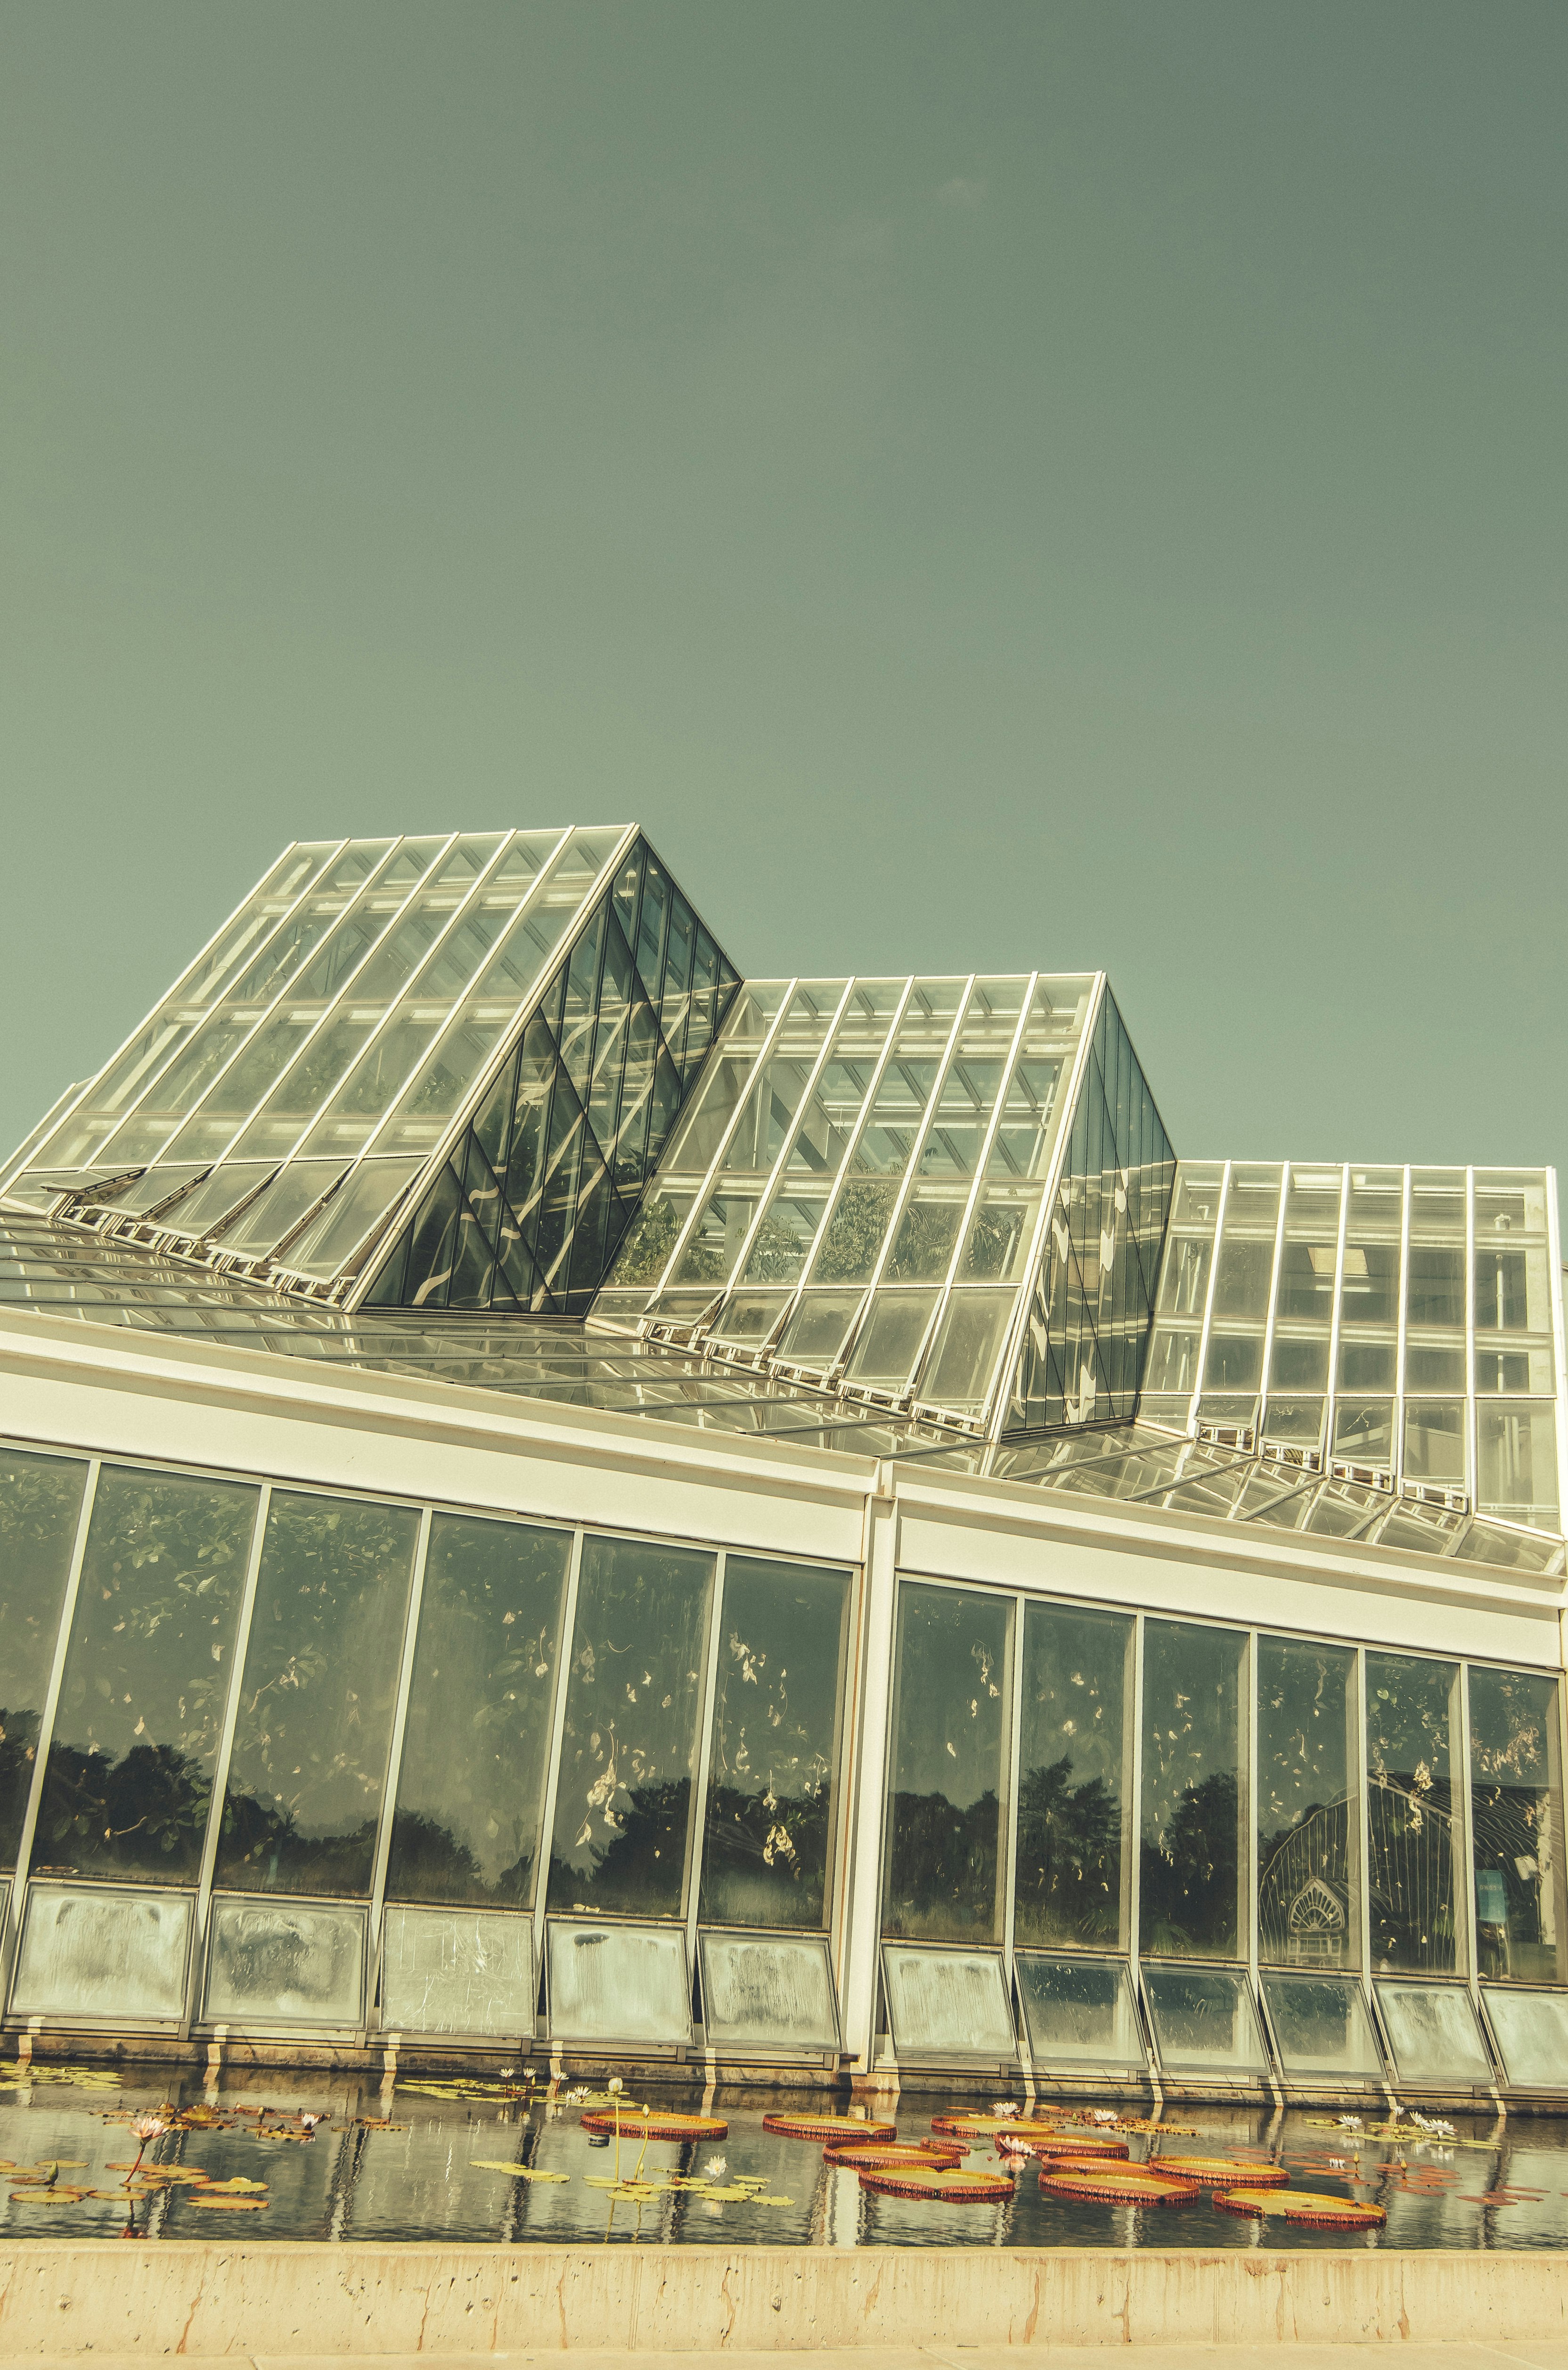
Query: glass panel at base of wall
(1413, 1866)
(1190, 1867)
(1308, 1817)
(1531, 2031)
(767, 1992)
(618, 1983)
(103, 1954)
(947, 2003)
(457, 1970)
(769, 1827)
(628, 1754)
(128, 1783)
(1080, 2014)
(315, 1726)
(1515, 1797)
(471, 1787)
(1072, 1786)
(1433, 2035)
(1204, 2020)
(948, 1778)
(279, 1962)
(1321, 2028)
(40, 1504)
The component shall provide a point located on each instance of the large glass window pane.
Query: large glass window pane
(1072, 1789)
(1410, 1808)
(1517, 1462)
(309, 1762)
(1532, 2032)
(1308, 1822)
(130, 1777)
(962, 1366)
(948, 1778)
(883, 1357)
(769, 1829)
(40, 1503)
(1204, 2022)
(1189, 1886)
(471, 1788)
(633, 1692)
(1080, 2015)
(1433, 2035)
(1516, 1795)
(1321, 2028)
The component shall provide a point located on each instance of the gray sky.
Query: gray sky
(986, 486)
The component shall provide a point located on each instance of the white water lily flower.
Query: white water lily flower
(614, 2086)
(716, 2167)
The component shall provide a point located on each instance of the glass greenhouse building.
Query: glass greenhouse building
(559, 1500)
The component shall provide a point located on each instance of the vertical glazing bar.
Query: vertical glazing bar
(1274, 1275)
(1554, 1271)
(1466, 1940)
(1010, 1807)
(52, 1693)
(1134, 1923)
(1400, 1351)
(553, 1765)
(225, 1748)
(1248, 1706)
(694, 1219)
(1331, 1412)
(697, 1830)
(1208, 1299)
(394, 1763)
(907, 1182)
(861, 1925)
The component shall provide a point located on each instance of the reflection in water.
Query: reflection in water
(420, 2166)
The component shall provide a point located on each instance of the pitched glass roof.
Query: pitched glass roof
(60, 1268)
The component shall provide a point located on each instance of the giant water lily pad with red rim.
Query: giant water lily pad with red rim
(1117, 2184)
(886, 2155)
(652, 2123)
(944, 2184)
(827, 2127)
(1088, 2147)
(990, 2127)
(1220, 2172)
(1302, 2206)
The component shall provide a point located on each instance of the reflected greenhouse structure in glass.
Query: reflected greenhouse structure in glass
(557, 1499)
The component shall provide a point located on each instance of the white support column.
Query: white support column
(862, 1926)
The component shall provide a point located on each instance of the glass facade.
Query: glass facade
(948, 1780)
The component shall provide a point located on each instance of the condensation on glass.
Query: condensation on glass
(624, 1802)
(1204, 2020)
(313, 1731)
(128, 1784)
(944, 1875)
(40, 1505)
(770, 1819)
(1080, 2014)
(476, 1737)
(1191, 1901)
(101, 1954)
(1530, 2030)
(1433, 2035)
(285, 1963)
(618, 1983)
(947, 2003)
(767, 1991)
(1322, 2030)
(460, 1970)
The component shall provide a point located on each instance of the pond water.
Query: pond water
(1496, 2183)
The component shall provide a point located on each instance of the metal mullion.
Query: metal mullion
(553, 1763)
(1364, 1820)
(1010, 1807)
(694, 1215)
(878, 1071)
(1464, 1877)
(1473, 1413)
(781, 1162)
(1135, 1855)
(64, 1110)
(330, 1010)
(1268, 1330)
(393, 1764)
(1209, 1299)
(265, 1012)
(51, 1705)
(1064, 1110)
(561, 954)
(196, 1969)
(408, 994)
(1247, 1907)
(692, 1872)
(1332, 1408)
(927, 1121)
(1554, 1271)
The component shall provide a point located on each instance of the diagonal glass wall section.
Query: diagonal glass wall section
(531, 1202)
(1087, 1321)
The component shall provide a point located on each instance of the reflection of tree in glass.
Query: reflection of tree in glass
(777, 1253)
(41, 1498)
(623, 1794)
(645, 1254)
(1516, 1821)
(315, 1725)
(1191, 1856)
(943, 1817)
(1410, 1812)
(1069, 1886)
(146, 1679)
(769, 1820)
(857, 1229)
(477, 1734)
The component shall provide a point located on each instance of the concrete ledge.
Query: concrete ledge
(117, 2298)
